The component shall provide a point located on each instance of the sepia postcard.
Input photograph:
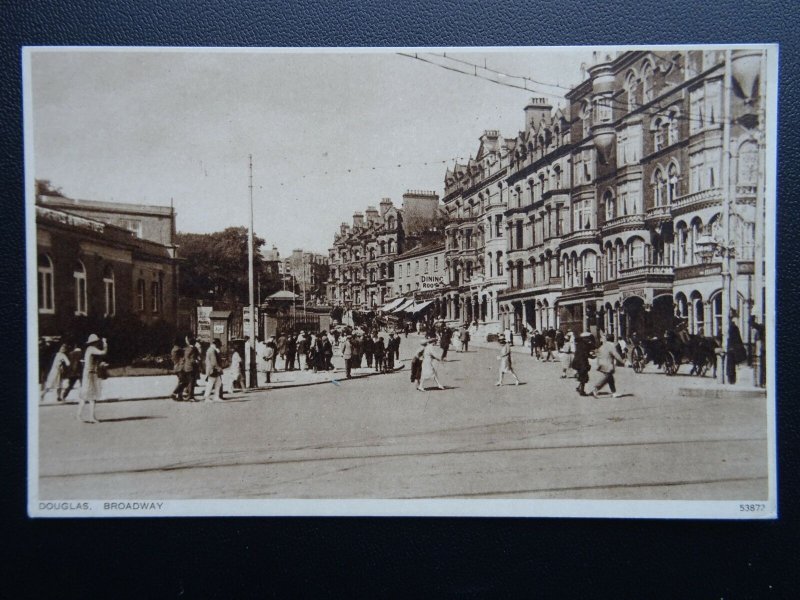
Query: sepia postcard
(478, 281)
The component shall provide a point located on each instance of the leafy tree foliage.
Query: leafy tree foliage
(215, 264)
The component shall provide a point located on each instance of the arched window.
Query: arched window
(383, 247)
(520, 274)
(647, 83)
(372, 253)
(556, 177)
(586, 119)
(630, 90)
(747, 167)
(589, 275)
(673, 180)
(682, 239)
(79, 277)
(659, 187)
(390, 223)
(611, 205)
(110, 292)
(660, 130)
(673, 132)
(46, 288)
(390, 246)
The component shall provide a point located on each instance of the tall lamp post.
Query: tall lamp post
(252, 365)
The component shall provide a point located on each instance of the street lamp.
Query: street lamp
(709, 248)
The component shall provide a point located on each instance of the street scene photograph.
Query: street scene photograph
(469, 281)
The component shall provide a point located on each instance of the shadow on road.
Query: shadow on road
(121, 419)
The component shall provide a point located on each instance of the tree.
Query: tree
(45, 188)
(215, 264)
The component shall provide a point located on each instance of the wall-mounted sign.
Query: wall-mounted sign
(432, 282)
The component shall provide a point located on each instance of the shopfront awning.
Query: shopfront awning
(407, 303)
(392, 305)
(420, 306)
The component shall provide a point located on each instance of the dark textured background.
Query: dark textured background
(391, 557)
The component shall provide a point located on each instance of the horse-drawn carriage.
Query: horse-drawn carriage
(674, 348)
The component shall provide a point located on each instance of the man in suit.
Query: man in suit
(213, 373)
(390, 351)
(347, 354)
(607, 357)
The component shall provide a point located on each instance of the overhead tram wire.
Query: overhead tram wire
(614, 100)
(479, 76)
(501, 74)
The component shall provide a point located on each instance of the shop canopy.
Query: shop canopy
(420, 306)
(407, 303)
(392, 305)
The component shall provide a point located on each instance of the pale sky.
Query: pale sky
(327, 131)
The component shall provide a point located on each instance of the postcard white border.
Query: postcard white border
(636, 509)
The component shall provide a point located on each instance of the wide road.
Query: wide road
(377, 437)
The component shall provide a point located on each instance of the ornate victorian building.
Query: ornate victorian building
(623, 212)
(362, 256)
(475, 200)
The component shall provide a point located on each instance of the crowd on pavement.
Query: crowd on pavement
(373, 347)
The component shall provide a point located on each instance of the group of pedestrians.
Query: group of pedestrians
(360, 347)
(85, 366)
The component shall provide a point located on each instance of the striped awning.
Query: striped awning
(407, 303)
(419, 306)
(392, 305)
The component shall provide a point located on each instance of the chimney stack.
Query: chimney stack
(536, 111)
(358, 220)
(386, 204)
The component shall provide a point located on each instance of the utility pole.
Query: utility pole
(305, 286)
(759, 368)
(728, 264)
(252, 365)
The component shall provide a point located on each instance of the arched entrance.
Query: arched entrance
(633, 319)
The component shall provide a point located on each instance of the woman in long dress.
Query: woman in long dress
(567, 350)
(55, 376)
(91, 386)
(505, 363)
(429, 358)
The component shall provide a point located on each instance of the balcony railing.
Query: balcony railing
(646, 269)
(697, 199)
(624, 221)
(658, 213)
(581, 235)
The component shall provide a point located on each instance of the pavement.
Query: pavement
(377, 437)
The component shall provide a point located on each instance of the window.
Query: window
(499, 264)
(589, 267)
(747, 164)
(636, 252)
(629, 145)
(133, 225)
(629, 198)
(372, 253)
(659, 187)
(390, 223)
(46, 288)
(426, 266)
(408, 269)
(498, 226)
(140, 294)
(704, 169)
(648, 92)
(436, 264)
(705, 106)
(560, 220)
(611, 205)
(659, 133)
(582, 217)
(630, 90)
(673, 183)
(602, 110)
(110, 294)
(154, 296)
(468, 270)
(673, 133)
(586, 119)
(519, 235)
(583, 167)
(556, 177)
(79, 277)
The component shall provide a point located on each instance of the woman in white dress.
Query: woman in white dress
(91, 386)
(505, 363)
(56, 374)
(567, 350)
(429, 358)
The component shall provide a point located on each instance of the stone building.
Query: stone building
(475, 200)
(629, 225)
(93, 269)
(309, 272)
(363, 254)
